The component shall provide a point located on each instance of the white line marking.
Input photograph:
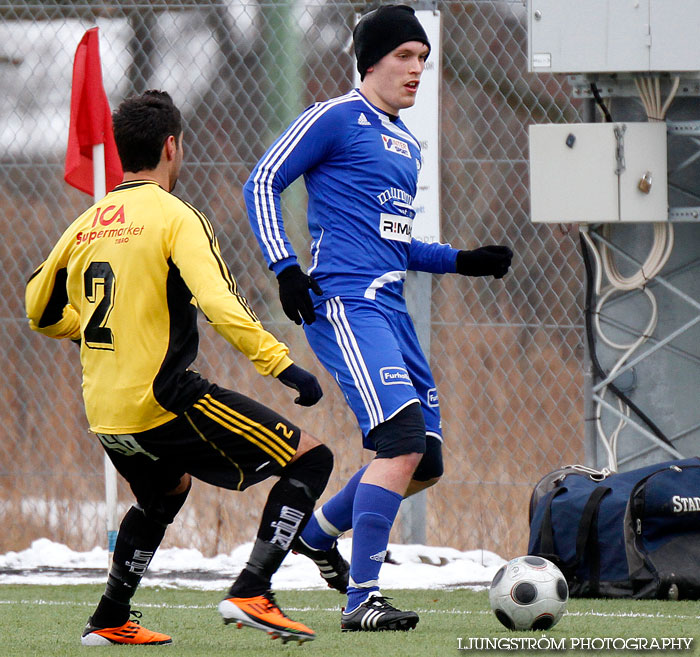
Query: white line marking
(454, 612)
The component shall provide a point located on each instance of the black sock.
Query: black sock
(110, 613)
(287, 510)
(137, 541)
(248, 585)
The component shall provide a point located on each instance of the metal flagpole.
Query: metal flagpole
(100, 190)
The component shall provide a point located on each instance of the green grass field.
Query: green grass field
(46, 621)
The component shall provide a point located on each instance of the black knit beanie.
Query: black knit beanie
(382, 30)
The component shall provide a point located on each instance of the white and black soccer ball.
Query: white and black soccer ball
(529, 593)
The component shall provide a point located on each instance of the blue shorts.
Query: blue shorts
(373, 353)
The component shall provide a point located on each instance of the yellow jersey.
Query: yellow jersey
(126, 278)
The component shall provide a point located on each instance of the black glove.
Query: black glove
(485, 261)
(305, 383)
(294, 294)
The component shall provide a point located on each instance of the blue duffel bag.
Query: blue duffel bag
(628, 534)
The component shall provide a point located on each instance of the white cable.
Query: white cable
(671, 96)
(632, 346)
(596, 475)
(609, 444)
(658, 256)
(654, 86)
(596, 256)
(610, 441)
(663, 238)
(646, 95)
(650, 94)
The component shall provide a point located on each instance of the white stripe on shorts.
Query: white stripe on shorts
(335, 312)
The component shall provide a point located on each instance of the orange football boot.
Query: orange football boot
(262, 613)
(131, 633)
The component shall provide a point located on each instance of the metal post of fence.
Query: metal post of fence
(418, 301)
(590, 440)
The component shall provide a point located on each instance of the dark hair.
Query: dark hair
(141, 126)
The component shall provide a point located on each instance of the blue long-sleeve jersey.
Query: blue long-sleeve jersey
(361, 169)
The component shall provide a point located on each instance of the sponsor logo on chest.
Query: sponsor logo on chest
(395, 227)
(400, 200)
(394, 145)
(114, 223)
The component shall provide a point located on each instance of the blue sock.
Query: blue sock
(373, 515)
(336, 512)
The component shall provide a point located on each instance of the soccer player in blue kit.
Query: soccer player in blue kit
(360, 165)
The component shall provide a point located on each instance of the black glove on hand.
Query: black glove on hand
(485, 261)
(294, 294)
(305, 383)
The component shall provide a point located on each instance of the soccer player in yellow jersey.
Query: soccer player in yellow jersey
(125, 280)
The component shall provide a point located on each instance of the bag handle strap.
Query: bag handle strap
(546, 529)
(587, 537)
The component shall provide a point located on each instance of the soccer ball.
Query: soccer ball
(529, 593)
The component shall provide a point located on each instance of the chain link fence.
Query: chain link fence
(507, 355)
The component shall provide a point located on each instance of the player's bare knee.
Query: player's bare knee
(408, 462)
(430, 482)
(162, 509)
(417, 486)
(184, 485)
(306, 442)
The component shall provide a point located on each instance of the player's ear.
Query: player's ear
(170, 147)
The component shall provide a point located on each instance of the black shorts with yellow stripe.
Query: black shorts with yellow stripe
(225, 439)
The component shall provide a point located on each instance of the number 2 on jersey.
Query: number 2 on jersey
(99, 276)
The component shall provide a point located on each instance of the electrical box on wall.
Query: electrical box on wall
(598, 173)
(613, 36)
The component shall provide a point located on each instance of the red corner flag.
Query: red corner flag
(90, 121)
